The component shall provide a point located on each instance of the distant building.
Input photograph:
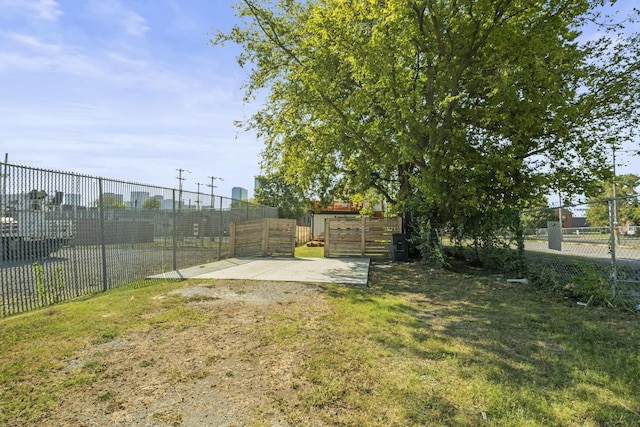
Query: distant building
(239, 193)
(74, 200)
(579, 222)
(138, 198)
(166, 204)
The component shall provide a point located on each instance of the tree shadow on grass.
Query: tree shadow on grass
(538, 355)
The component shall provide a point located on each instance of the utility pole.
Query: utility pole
(180, 179)
(213, 178)
(560, 208)
(198, 198)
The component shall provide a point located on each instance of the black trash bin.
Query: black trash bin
(399, 249)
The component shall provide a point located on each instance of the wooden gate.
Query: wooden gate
(364, 236)
(264, 237)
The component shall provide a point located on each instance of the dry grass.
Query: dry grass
(418, 347)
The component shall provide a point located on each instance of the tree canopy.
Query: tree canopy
(274, 190)
(627, 203)
(152, 203)
(110, 201)
(456, 111)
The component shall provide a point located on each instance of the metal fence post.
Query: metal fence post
(174, 231)
(103, 244)
(4, 309)
(612, 246)
(220, 231)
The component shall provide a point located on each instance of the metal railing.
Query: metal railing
(66, 235)
(604, 258)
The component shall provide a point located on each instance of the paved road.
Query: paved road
(75, 271)
(624, 253)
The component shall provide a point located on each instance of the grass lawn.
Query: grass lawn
(305, 251)
(418, 347)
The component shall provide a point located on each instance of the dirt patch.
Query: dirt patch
(259, 293)
(226, 373)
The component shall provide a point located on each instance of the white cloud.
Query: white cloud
(32, 42)
(48, 10)
(29, 53)
(116, 13)
(26, 52)
(134, 24)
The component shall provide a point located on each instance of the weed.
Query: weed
(589, 287)
(545, 279)
(212, 360)
(148, 363)
(107, 336)
(201, 298)
(49, 288)
(105, 396)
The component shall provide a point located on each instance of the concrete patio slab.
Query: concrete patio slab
(350, 271)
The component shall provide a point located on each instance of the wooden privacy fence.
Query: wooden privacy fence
(364, 236)
(303, 234)
(265, 237)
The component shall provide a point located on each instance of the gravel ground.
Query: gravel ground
(224, 374)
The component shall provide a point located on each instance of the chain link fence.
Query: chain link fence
(65, 235)
(589, 250)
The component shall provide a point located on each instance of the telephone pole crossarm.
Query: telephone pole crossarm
(180, 179)
(212, 186)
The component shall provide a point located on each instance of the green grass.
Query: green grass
(437, 348)
(416, 348)
(309, 252)
(37, 343)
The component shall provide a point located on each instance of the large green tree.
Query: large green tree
(627, 203)
(110, 201)
(459, 112)
(152, 203)
(274, 190)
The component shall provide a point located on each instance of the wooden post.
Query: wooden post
(295, 236)
(327, 253)
(363, 237)
(266, 223)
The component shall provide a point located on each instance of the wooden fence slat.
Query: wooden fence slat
(363, 240)
(269, 236)
(343, 237)
(360, 236)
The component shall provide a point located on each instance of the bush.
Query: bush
(590, 287)
(545, 279)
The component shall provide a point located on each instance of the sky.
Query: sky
(131, 90)
(127, 90)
